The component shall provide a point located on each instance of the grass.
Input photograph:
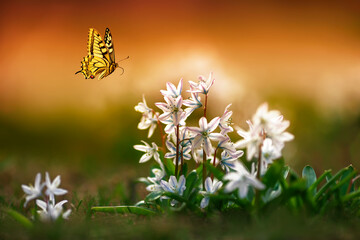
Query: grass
(99, 172)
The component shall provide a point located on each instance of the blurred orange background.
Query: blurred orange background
(307, 50)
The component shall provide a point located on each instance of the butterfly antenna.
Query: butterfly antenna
(123, 59)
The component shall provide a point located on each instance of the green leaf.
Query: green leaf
(344, 188)
(174, 196)
(191, 181)
(153, 196)
(199, 169)
(169, 167)
(217, 173)
(184, 169)
(330, 182)
(319, 180)
(273, 174)
(351, 196)
(310, 176)
(124, 210)
(20, 218)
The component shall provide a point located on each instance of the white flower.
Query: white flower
(171, 90)
(33, 191)
(172, 108)
(269, 152)
(158, 175)
(142, 107)
(227, 160)
(251, 140)
(171, 123)
(225, 121)
(148, 119)
(52, 187)
(203, 86)
(226, 145)
(51, 211)
(192, 103)
(264, 123)
(211, 187)
(273, 124)
(174, 186)
(204, 134)
(172, 154)
(241, 180)
(149, 152)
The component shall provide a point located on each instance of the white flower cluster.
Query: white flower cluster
(50, 211)
(266, 134)
(208, 141)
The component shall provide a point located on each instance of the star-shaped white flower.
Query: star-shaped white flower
(211, 187)
(269, 124)
(35, 191)
(171, 90)
(155, 181)
(51, 211)
(174, 186)
(227, 160)
(171, 122)
(142, 107)
(149, 117)
(203, 86)
(241, 180)
(225, 121)
(172, 108)
(150, 151)
(194, 102)
(204, 133)
(53, 187)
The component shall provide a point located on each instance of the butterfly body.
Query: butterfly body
(101, 56)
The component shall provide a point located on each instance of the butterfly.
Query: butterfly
(101, 56)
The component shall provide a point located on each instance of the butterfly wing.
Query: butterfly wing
(100, 59)
(109, 44)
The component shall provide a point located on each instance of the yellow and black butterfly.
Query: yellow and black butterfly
(101, 56)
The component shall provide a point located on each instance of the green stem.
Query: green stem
(177, 151)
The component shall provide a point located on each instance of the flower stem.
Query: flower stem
(204, 153)
(177, 151)
(205, 105)
(163, 136)
(212, 175)
(182, 160)
(258, 175)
